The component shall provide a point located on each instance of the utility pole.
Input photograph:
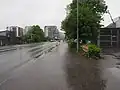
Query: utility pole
(77, 26)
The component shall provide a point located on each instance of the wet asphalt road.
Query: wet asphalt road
(13, 59)
(61, 70)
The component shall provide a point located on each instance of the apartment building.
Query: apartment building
(51, 32)
(15, 34)
(27, 28)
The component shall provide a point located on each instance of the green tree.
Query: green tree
(35, 34)
(90, 16)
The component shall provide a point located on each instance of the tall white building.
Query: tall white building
(27, 28)
(16, 29)
(51, 32)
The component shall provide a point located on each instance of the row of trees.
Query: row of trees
(90, 14)
(35, 34)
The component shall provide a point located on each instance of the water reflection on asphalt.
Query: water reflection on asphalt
(86, 74)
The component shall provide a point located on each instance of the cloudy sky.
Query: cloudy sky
(42, 12)
(113, 7)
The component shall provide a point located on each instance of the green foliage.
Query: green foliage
(71, 44)
(81, 49)
(90, 16)
(93, 50)
(35, 34)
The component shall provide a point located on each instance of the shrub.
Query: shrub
(93, 50)
(72, 44)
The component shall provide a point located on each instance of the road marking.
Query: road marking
(4, 81)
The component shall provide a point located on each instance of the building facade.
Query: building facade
(18, 31)
(15, 34)
(51, 32)
(109, 37)
(27, 28)
(4, 38)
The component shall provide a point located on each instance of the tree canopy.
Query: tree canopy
(35, 34)
(90, 14)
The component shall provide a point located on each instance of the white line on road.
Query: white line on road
(1, 83)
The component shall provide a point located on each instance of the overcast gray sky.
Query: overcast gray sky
(42, 12)
(29, 12)
(113, 6)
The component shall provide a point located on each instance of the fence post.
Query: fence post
(98, 41)
(118, 35)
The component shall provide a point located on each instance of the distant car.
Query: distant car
(52, 40)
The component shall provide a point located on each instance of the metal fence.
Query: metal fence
(109, 37)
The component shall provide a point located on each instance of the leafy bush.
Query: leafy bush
(93, 50)
(72, 44)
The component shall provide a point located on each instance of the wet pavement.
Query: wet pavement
(65, 70)
(13, 59)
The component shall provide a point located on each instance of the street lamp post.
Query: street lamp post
(77, 26)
